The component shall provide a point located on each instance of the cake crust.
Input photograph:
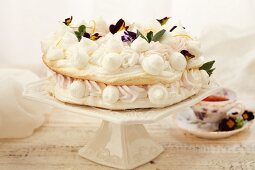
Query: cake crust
(137, 79)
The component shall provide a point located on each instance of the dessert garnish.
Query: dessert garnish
(247, 115)
(163, 21)
(187, 54)
(208, 67)
(119, 26)
(150, 37)
(227, 124)
(173, 28)
(232, 123)
(82, 33)
(93, 37)
(239, 123)
(128, 36)
(68, 21)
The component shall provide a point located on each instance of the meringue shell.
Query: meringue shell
(158, 94)
(178, 61)
(77, 89)
(112, 62)
(55, 53)
(111, 94)
(153, 64)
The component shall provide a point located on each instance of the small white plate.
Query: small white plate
(186, 119)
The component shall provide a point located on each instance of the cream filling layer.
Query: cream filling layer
(127, 97)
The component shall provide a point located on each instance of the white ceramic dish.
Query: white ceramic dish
(122, 141)
(210, 112)
(186, 121)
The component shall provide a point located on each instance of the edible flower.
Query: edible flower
(93, 37)
(68, 21)
(119, 26)
(187, 54)
(128, 36)
(163, 21)
(82, 33)
(227, 124)
(247, 115)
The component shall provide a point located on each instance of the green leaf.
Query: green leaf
(149, 36)
(82, 29)
(207, 66)
(209, 72)
(239, 123)
(158, 35)
(78, 35)
(140, 34)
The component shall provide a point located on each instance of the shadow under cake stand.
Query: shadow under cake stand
(122, 140)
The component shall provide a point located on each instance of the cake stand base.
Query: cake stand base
(122, 141)
(121, 146)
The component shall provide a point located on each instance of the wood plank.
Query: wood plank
(55, 146)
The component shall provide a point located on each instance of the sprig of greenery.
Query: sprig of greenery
(158, 35)
(80, 32)
(239, 123)
(208, 67)
(150, 37)
(141, 35)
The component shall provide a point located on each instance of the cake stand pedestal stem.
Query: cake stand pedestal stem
(121, 146)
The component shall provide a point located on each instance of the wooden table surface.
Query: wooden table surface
(55, 146)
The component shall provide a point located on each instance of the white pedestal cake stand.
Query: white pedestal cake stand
(121, 141)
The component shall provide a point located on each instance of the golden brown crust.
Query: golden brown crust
(138, 79)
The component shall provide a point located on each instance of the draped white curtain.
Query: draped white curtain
(226, 29)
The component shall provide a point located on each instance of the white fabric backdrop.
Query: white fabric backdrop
(25, 23)
(226, 29)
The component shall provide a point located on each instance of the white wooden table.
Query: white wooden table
(55, 146)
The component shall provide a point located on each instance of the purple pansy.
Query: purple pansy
(128, 36)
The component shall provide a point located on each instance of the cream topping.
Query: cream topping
(79, 57)
(178, 61)
(167, 39)
(194, 48)
(153, 64)
(195, 62)
(140, 45)
(130, 57)
(67, 40)
(89, 45)
(192, 78)
(114, 45)
(112, 62)
(54, 53)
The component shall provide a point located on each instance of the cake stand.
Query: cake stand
(122, 141)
